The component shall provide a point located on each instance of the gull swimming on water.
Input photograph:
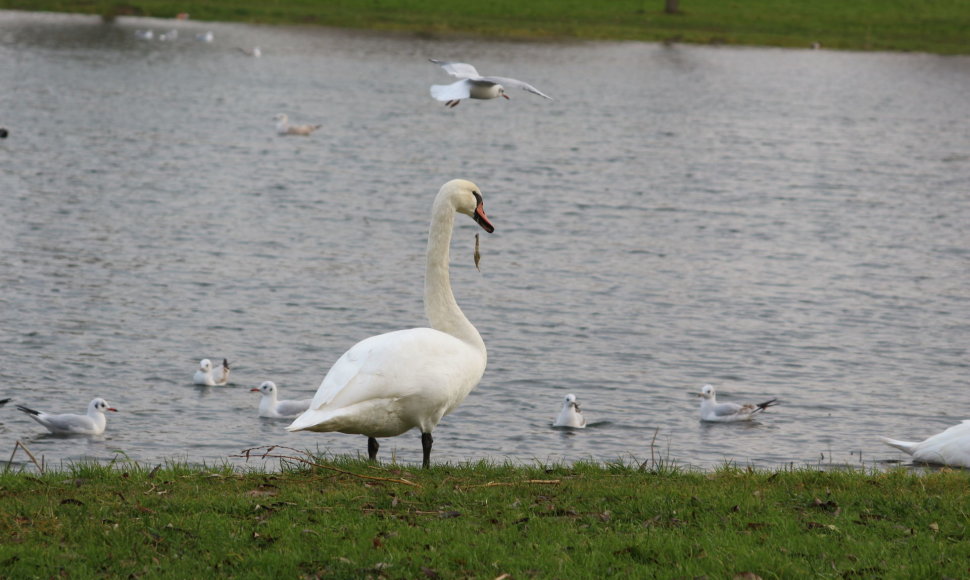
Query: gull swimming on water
(951, 447)
(273, 409)
(570, 415)
(283, 126)
(713, 411)
(475, 86)
(209, 377)
(67, 424)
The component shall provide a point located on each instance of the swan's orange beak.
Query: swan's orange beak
(482, 219)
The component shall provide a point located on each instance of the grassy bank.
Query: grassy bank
(911, 25)
(482, 521)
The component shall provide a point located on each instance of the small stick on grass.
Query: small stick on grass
(268, 453)
(511, 483)
(19, 445)
(653, 461)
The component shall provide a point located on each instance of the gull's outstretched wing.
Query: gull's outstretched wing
(457, 69)
(516, 84)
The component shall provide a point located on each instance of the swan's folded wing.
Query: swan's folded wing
(452, 92)
(457, 69)
(516, 84)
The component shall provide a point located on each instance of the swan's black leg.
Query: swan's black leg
(372, 447)
(426, 441)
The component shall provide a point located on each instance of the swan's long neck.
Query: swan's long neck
(439, 301)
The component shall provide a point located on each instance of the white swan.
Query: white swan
(475, 86)
(388, 384)
(209, 377)
(274, 409)
(951, 447)
(91, 424)
(570, 415)
(283, 126)
(713, 411)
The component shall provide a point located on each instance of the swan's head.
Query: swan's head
(467, 199)
(99, 405)
(501, 92)
(281, 118)
(707, 392)
(267, 388)
(205, 365)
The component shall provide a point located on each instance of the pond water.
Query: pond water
(778, 223)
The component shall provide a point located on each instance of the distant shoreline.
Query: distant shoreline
(868, 25)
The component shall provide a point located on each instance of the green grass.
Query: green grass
(939, 26)
(482, 521)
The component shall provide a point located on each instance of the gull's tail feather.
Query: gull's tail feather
(766, 404)
(28, 410)
(906, 446)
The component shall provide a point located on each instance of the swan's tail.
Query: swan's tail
(906, 446)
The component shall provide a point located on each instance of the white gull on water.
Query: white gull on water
(272, 408)
(475, 86)
(570, 415)
(208, 376)
(283, 126)
(713, 411)
(93, 423)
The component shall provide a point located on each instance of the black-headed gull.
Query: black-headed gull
(713, 411)
(274, 409)
(474, 85)
(951, 447)
(570, 416)
(206, 375)
(67, 424)
(283, 126)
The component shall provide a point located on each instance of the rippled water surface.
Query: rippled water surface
(778, 223)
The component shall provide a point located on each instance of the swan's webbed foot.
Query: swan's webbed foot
(426, 441)
(452, 103)
(372, 447)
